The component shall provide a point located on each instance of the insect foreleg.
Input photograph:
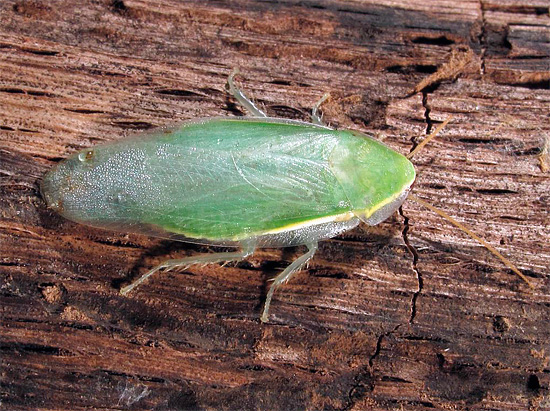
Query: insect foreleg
(241, 97)
(316, 118)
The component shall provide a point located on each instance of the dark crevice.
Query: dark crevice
(533, 85)
(364, 380)
(118, 6)
(339, 275)
(533, 383)
(500, 324)
(84, 110)
(414, 254)
(495, 191)
(35, 348)
(437, 186)
(281, 82)
(533, 151)
(427, 111)
(414, 68)
(495, 141)
(511, 218)
(362, 384)
(541, 57)
(433, 41)
(406, 227)
(395, 379)
(255, 367)
(506, 41)
(137, 125)
(425, 338)
(179, 93)
(379, 343)
(54, 159)
(12, 264)
(99, 72)
(14, 90)
(117, 242)
(77, 326)
(41, 52)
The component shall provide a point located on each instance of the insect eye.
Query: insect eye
(86, 155)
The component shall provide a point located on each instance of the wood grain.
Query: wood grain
(410, 314)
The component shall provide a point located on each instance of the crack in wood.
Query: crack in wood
(414, 253)
(427, 111)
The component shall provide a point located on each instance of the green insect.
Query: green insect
(246, 182)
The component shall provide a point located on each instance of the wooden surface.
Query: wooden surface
(411, 314)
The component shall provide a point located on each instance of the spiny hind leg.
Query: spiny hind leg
(241, 97)
(182, 263)
(285, 276)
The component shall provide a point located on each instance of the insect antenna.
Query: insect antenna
(428, 138)
(473, 235)
(451, 220)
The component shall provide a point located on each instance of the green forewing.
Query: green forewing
(220, 179)
(227, 179)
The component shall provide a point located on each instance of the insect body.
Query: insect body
(248, 182)
(270, 182)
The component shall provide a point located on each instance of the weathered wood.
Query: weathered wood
(411, 314)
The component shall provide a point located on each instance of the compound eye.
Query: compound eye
(86, 155)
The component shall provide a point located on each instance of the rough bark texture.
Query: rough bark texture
(411, 314)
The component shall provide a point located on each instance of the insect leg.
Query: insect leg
(181, 263)
(241, 97)
(285, 276)
(316, 118)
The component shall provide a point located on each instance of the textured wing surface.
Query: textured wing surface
(225, 179)
(214, 180)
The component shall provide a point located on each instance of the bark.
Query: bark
(411, 314)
